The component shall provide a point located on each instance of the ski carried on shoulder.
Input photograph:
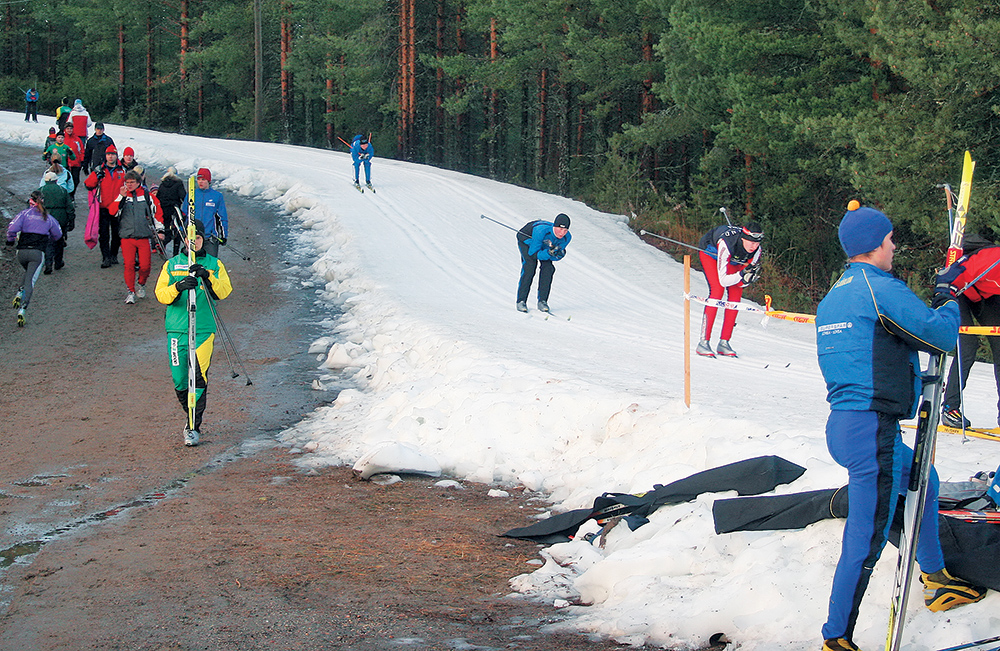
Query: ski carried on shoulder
(928, 416)
(192, 311)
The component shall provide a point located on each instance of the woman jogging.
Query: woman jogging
(36, 229)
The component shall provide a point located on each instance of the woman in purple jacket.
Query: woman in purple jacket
(36, 228)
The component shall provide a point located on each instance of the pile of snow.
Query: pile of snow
(432, 356)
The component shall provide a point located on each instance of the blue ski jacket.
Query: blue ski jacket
(358, 154)
(543, 243)
(869, 329)
(210, 210)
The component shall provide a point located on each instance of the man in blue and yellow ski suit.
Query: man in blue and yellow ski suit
(869, 329)
(176, 279)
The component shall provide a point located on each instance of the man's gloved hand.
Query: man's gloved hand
(189, 282)
(8, 243)
(199, 271)
(944, 289)
(557, 252)
(222, 241)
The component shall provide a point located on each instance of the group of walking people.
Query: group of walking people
(127, 217)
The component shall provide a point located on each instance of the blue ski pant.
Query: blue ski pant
(368, 170)
(869, 445)
(528, 265)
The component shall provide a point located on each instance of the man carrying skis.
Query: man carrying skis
(978, 303)
(870, 327)
(209, 279)
(540, 242)
(730, 258)
(362, 151)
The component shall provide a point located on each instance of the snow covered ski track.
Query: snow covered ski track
(440, 359)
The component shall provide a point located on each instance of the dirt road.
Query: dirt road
(116, 536)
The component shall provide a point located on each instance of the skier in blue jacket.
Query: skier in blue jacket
(540, 242)
(869, 329)
(362, 151)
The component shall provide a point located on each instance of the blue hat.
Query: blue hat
(862, 229)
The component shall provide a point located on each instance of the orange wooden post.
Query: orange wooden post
(687, 331)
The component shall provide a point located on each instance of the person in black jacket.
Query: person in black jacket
(171, 194)
(97, 144)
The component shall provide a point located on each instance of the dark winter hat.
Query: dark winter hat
(561, 221)
(753, 232)
(65, 100)
(862, 229)
(364, 140)
(205, 173)
(69, 125)
(52, 129)
(199, 228)
(99, 125)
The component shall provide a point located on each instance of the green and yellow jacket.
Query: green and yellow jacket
(174, 270)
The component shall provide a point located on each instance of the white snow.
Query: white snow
(434, 356)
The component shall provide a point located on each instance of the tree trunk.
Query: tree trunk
(121, 69)
(492, 153)
(150, 80)
(407, 77)
(258, 71)
(286, 76)
(182, 109)
(463, 158)
(438, 144)
(540, 149)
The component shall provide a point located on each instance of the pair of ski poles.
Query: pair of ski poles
(226, 339)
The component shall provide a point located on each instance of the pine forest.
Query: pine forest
(662, 110)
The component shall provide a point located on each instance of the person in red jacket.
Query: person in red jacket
(75, 144)
(978, 303)
(107, 181)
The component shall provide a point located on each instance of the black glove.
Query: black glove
(222, 241)
(199, 271)
(9, 243)
(189, 282)
(100, 174)
(557, 252)
(71, 224)
(751, 274)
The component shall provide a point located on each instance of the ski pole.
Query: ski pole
(977, 278)
(969, 645)
(725, 213)
(501, 223)
(237, 251)
(344, 141)
(227, 336)
(225, 348)
(690, 246)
